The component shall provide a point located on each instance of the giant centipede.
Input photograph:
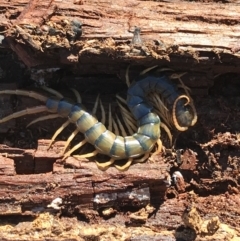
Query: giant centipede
(105, 141)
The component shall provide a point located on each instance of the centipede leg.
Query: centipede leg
(94, 110)
(144, 158)
(103, 120)
(70, 138)
(127, 77)
(110, 125)
(52, 91)
(123, 132)
(159, 148)
(163, 126)
(125, 166)
(126, 114)
(77, 95)
(131, 128)
(94, 153)
(148, 69)
(178, 76)
(104, 166)
(64, 125)
(83, 142)
(128, 119)
(59, 130)
(160, 108)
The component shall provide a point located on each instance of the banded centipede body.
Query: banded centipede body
(105, 141)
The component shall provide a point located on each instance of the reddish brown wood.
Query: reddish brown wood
(78, 186)
(200, 38)
(178, 34)
(7, 166)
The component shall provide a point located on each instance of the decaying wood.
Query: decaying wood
(199, 38)
(178, 34)
(79, 188)
(34, 178)
(83, 185)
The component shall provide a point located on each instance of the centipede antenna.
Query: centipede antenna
(110, 124)
(148, 69)
(125, 166)
(194, 114)
(115, 127)
(42, 118)
(104, 166)
(32, 94)
(167, 130)
(187, 90)
(94, 153)
(123, 132)
(94, 110)
(127, 76)
(178, 127)
(77, 95)
(67, 154)
(28, 111)
(70, 138)
(52, 91)
(103, 120)
(59, 130)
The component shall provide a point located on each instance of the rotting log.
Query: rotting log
(85, 191)
(189, 36)
(77, 183)
(199, 38)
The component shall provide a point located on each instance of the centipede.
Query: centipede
(143, 118)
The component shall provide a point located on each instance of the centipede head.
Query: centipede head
(184, 113)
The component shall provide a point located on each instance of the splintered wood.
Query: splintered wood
(83, 184)
(204, 34)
